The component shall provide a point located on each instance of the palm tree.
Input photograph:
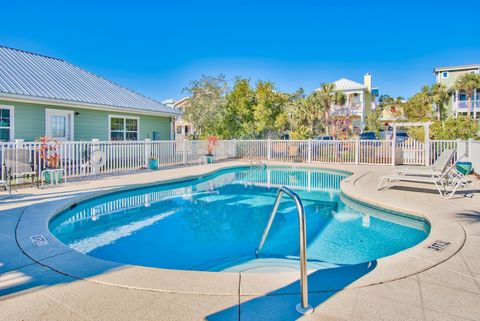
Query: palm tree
(468, 83)
(327, 98)
(440, 98)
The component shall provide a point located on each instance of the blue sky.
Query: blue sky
(157, 47)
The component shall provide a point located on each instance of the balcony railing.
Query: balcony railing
(349, 109)
(463, 105)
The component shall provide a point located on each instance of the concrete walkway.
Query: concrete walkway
(444, 290)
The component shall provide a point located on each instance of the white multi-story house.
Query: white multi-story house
(183, 129)
(458, 104)
(360, 99)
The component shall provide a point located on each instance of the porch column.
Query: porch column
(474, 102)
(455, 103)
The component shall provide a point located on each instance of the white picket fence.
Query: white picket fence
(128, 156)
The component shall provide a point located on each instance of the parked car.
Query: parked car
(324, 138)
(368, 136)
(401, 136)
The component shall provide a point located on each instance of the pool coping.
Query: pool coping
(62, 259)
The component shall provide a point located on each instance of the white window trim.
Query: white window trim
(445, 77)
(49, 111)
(12, 120)
(124, 117)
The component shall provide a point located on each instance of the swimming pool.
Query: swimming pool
(215, 223)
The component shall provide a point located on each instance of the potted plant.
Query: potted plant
(51, 159)
(153, 163)
(212, 142)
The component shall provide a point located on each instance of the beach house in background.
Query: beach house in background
(40, 95)
(458, 100)
(360, 99)
(183, 128)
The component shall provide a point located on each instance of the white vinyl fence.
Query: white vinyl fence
(474, 155)
(127, 156)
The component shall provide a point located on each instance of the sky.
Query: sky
(157, 47)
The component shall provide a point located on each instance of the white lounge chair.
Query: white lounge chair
(434, 170)
(446, 184)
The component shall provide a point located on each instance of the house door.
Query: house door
(59, 124)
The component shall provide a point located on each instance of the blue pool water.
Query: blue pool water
(215, 223)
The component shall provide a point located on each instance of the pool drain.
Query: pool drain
(39, 240)
(438, 245)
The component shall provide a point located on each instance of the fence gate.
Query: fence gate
(413, 152)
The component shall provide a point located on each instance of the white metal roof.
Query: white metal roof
(461, 67)
(347, 84)
(30, 75)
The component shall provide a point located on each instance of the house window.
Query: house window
(445, 75)
(123, 128)
(6, 123)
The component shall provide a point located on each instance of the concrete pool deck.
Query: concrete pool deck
(53, 282)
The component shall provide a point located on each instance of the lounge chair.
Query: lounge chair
(447, 183)
(434, 170)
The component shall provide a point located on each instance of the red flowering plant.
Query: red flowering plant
(212, 142)
(49, 151)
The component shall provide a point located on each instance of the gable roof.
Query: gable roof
(347, 84)
(37, 77)
(181, 101)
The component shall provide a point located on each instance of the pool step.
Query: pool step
(252, 264)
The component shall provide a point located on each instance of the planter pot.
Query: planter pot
(153, 164)
(465, 168)
(210, 159)
(53, 176)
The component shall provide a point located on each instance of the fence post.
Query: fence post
(469, 149)
(309, 159)
(19, 142)
(184, 149)
(427, 147)
(95, 147)
(233, 148)
(269, 149)
(147, 151)
(357, 150)
(3, 162)
(394, 152)
(462, 148)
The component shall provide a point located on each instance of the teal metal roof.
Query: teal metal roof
(32, 75)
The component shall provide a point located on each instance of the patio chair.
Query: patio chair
(17, 165)
(293, 153)
(447, 183)
(435, 170)
(6, 186)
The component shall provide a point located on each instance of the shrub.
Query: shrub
(455, 128)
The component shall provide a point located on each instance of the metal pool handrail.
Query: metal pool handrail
(303, 307)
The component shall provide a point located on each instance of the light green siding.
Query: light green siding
(29, 122)
(452, 77)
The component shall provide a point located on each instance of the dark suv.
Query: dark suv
(367, 136)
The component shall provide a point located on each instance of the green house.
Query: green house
(458, 105)
(41, 95)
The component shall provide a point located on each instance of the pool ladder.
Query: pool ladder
(303, 307)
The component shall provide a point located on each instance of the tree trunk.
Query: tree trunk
(469, 102)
